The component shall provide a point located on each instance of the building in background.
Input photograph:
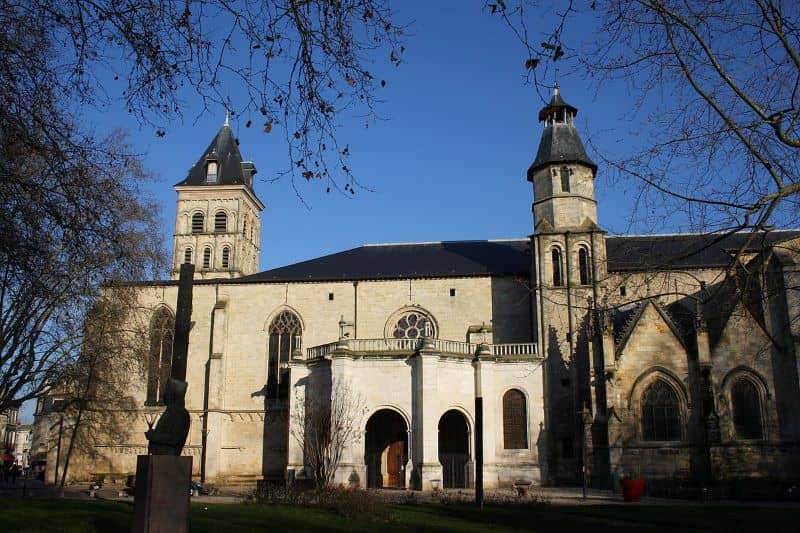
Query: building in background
(596, 356)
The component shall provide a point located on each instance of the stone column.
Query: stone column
(426, 417)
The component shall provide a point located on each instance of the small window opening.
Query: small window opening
(220, 222)
(623, 291)
(187, 256)
(211, 174)
(565, 173)
(226, 257)
(198, 223)
(584, 270)
(207, 258)
(452, 292)
(330, 296)
(558, 280)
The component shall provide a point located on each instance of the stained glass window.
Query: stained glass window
(285, 336)
(162, 331)
(413, 325)
(660, 413)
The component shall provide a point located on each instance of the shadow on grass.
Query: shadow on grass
(104, 516)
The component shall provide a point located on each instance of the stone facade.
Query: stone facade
(592, 355)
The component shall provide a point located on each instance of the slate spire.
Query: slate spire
(560, 142)
(221, 163)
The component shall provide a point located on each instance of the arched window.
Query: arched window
(207, 257)
(162, 331)
(558, 279)
(746, 403)
(226, 256)
(198, 223)
(211, 174)
(187, 255)
(285, 336)
(661, 418)
(413, 325)
(584, 266)
(565, 173)
(515, 421)
(244, 227)
(220, 222)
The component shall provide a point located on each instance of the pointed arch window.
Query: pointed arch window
(584, 266)
(220, 222)
(207, 257)
(162, 331)
(515, 418)
(558, 278)
(198, 223)
(746, 403)
(661, 420)
(285, 336)
(187, 255)
(226, 257)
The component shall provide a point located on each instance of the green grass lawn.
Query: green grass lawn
(102, 516)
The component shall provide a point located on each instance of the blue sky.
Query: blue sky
(448, 163)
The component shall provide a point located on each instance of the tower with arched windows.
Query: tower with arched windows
(218, 224)
(568, 249)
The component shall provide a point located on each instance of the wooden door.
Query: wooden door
(394, 465)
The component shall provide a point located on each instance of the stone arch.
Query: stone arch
(738, 428)
(557, 259)
(394, 319)
(526, 415)
(284, 337)
(197, 221)
(386, 450)
(454, 448)
(277, 311)
(159, 358)
(643, 384)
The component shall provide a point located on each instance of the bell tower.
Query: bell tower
(218, 216)
(568, 273)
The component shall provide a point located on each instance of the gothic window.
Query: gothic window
(285, 336)
(211, 174)
(198, 223)
(220, 222)
(565, 172)
(515, 417)
(558, 279)
(661, 419)
(226, 257)
(187, 255)
(162, 330)
(413, 325)
(584, 267)
(746, 404)
(207, 257)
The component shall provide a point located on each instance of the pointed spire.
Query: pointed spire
(227, 119)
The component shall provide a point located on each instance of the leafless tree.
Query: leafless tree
(325, 427)
(95, 389)
(720, 81)
(299, 65)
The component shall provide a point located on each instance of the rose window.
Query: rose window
(413, 325)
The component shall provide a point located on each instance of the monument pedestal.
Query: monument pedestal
(161, 501)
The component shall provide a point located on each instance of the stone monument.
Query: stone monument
(164, 476)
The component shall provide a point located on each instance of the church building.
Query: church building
(593, 355)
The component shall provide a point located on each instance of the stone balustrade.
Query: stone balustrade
(446, 347)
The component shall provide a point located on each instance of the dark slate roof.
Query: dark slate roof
(643, 252)
(225, 151)
(556, 103)
(506, 257)
(392, 261)
(560, 144)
